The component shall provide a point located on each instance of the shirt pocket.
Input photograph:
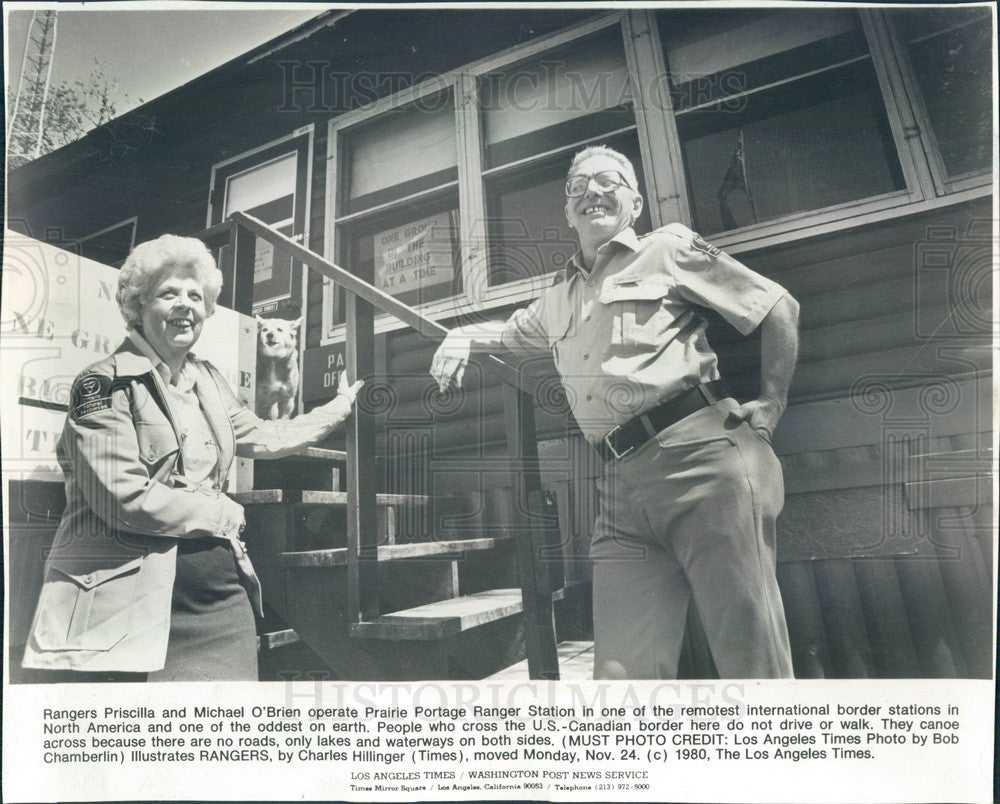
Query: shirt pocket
(157, 443)
(640, 317)
(86, 604)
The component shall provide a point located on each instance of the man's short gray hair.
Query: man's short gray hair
(603, 150)
(149, 261)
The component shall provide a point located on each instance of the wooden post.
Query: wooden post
(241, 247)
(362, 531)
(529, 533)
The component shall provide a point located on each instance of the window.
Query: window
(402, 153)
(753, 125)
(399, 193)
(271, 184)
(528, 234)
(778, 112)
(268, 193)
(950, 52)
(572, 94)
(413, 177)
(535, 115)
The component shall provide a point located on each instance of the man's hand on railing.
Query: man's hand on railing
(451, 358)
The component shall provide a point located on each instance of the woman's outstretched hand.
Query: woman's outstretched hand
(348, 390)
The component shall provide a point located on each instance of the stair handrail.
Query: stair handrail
(378, 298)
(524, 471)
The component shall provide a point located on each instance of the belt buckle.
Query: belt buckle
(617, 455)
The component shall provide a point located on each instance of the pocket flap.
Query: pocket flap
(557, 329)
(633, 288)
(155, 441)
(88, 573)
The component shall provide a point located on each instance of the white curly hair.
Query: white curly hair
(149, 261)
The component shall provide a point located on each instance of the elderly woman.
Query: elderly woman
(147, 576)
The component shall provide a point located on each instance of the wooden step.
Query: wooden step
(313, 468)
(318, 454)
(452, 548)
(277, 639)
(444, 618)
(313, 497)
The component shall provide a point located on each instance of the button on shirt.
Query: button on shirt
(627, 335)
(199, 447)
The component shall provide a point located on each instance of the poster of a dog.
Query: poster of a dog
(277, 367)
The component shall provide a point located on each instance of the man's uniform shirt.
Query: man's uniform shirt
(626, 335)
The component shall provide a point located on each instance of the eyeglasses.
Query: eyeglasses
(606, 181)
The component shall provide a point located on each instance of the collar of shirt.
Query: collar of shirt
(187, 376)
(626, 237)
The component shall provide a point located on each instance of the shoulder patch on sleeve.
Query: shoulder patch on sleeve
(91, 393)
(698, 243)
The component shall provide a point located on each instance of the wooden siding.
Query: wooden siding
(859, 323)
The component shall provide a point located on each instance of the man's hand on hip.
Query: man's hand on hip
(761, 414)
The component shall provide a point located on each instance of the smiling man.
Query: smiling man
(691, 486)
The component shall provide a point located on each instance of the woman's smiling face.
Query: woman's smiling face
(173, 316)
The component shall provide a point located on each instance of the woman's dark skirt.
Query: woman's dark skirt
(213, 636)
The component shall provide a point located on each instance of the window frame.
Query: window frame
(526, 289)
(217, 199)
(662, 167)
(334, 245)
(941, 183)
(463, 83)
(745, 237)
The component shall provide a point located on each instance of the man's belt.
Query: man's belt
(634, 433)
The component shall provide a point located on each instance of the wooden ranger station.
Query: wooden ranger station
(390, 174)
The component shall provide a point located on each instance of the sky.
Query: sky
(148, 51)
